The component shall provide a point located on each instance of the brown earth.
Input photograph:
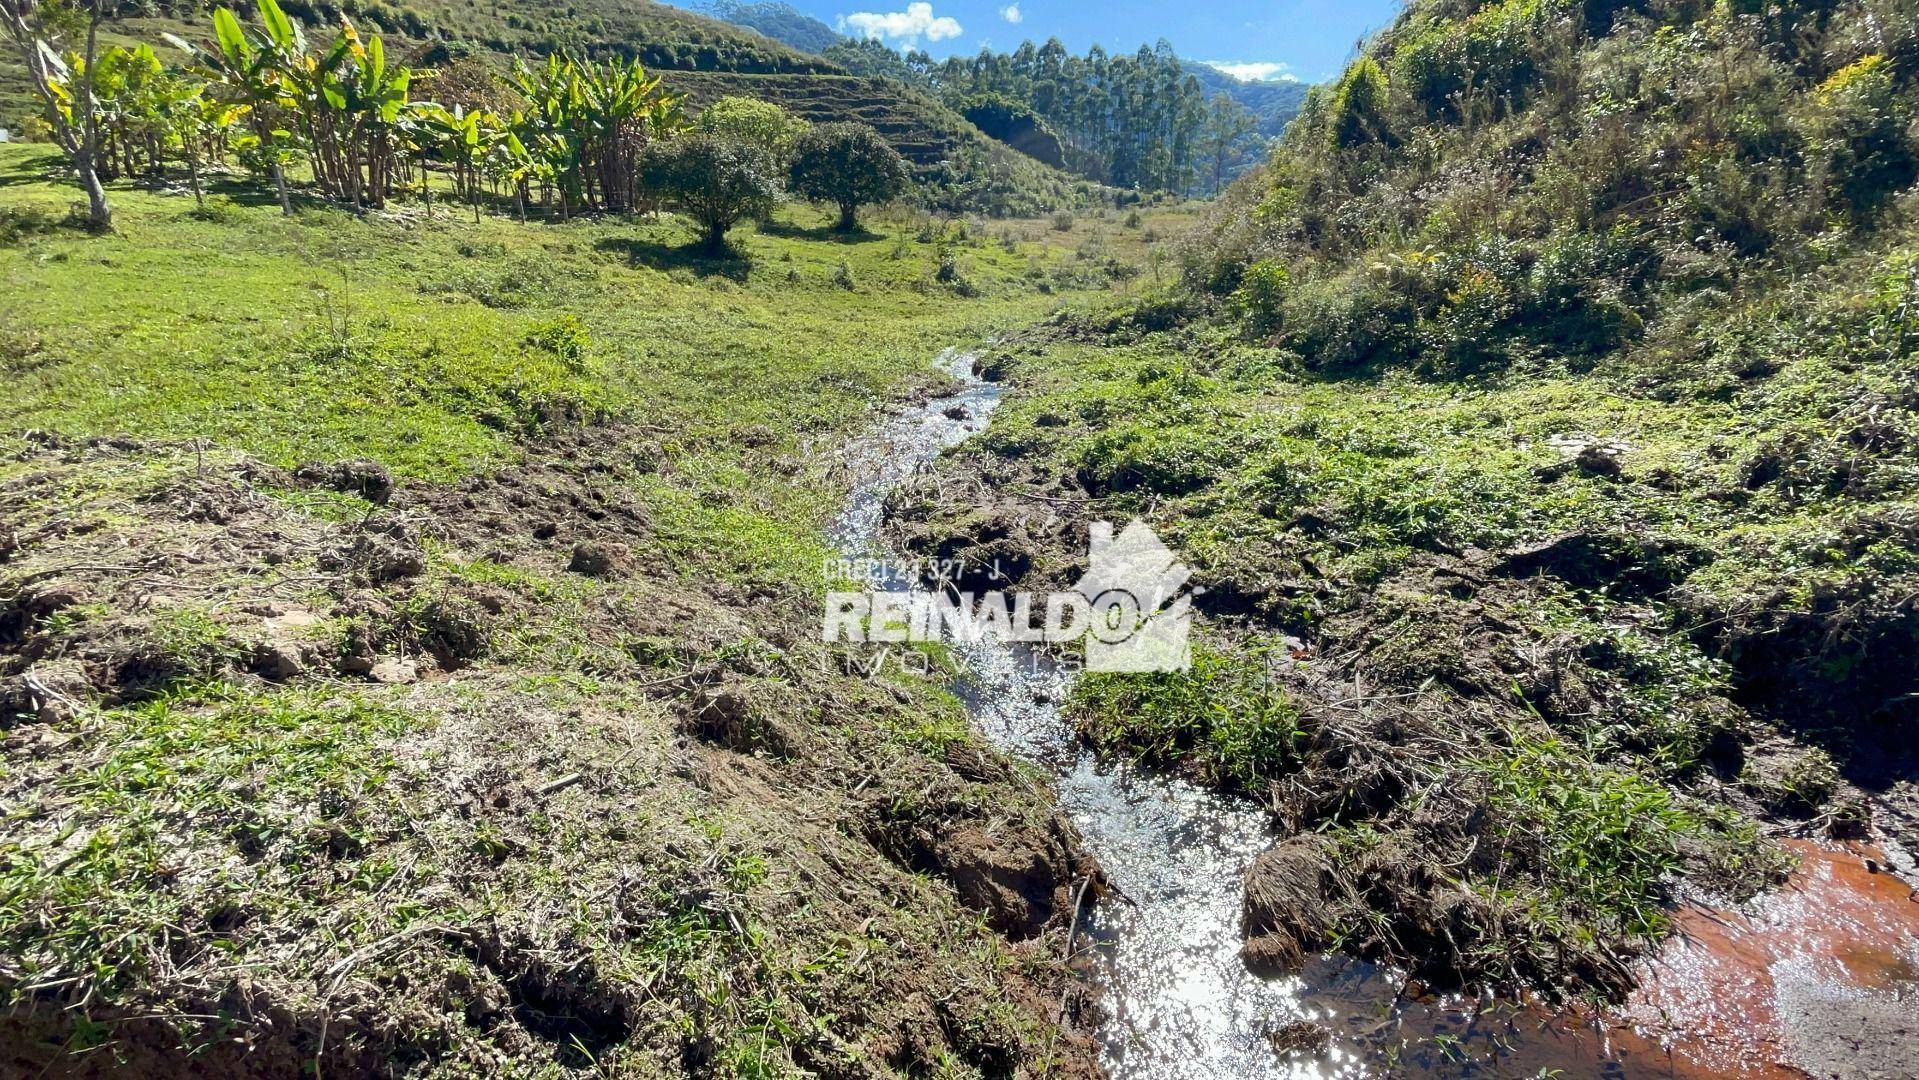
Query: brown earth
(626, 816)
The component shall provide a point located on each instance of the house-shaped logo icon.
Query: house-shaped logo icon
(1141, 613)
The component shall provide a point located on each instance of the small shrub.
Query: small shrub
(1262, 291)
(1858, 129)
(947, 271)
(1063, 221)
(566, 337)
(1359, 105)
(843, 276)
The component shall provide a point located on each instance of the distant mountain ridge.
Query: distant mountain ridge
(1273, 103)
(782, 22)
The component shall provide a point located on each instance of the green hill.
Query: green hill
(1273, 104)
(705, 58)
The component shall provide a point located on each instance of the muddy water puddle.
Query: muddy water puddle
(1830, 957)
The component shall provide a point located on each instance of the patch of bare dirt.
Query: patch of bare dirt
(634, 819)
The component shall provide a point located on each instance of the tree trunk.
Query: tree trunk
(99, 214)
(849, 217)
(716, 236)
(193, 175)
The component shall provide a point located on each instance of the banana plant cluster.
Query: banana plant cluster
(267, 96)
(344, 105)
(585, 122)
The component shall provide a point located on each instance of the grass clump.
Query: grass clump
(1227, 719)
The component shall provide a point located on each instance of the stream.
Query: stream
(1163, 948)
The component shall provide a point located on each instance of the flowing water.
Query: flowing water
(1164, 947)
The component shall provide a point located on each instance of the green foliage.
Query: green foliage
(566, 337)
(749, 120)
(1359, 105)
(1607, 837)
(1262, 291)
(1226, 717)
(1127, 120)
(847, 165)
(1449, 68)
(716, 181)
(1859, 134)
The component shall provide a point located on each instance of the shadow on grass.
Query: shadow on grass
(17, 224)
(728, 263)
(859, 234)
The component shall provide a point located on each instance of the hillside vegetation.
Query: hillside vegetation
(963, 170)
(1543, 421)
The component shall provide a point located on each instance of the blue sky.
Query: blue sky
(1304, 39)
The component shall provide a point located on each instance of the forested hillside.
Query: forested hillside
(1133, 120)
(1273, 103)
(1543, 416)
(961, 168)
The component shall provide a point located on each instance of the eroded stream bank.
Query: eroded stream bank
(1825, 964)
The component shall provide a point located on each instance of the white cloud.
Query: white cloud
(1252, 70)
(905, 27)
(1011, 13)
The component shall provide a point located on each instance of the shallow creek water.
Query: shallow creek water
(1164, 947)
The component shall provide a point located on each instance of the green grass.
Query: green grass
(241, 769)
(1226, 718)
(420, 344)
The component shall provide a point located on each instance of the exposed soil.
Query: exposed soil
(603, 759)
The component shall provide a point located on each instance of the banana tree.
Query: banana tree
(588, 121)
(254, 67)
(465, 140)
(366, 98)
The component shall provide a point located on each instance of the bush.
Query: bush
(1262, 289)
(1359, 105)
(1489, 54)
(715, 180)
(750, 120)
(1858, 132)
(566, 337)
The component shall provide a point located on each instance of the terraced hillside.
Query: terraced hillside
(708, 58)
(943, 147)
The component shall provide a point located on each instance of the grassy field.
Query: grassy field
(232, 324)
(509, 744)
